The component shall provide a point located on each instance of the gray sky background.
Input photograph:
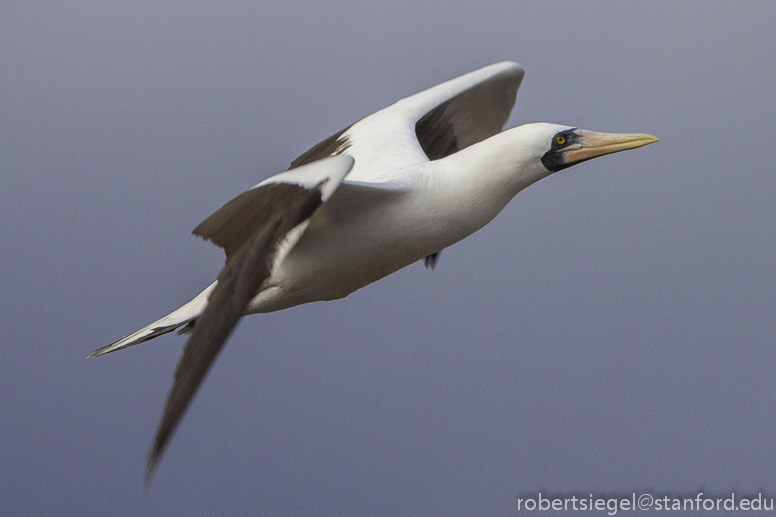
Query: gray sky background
(611, 331)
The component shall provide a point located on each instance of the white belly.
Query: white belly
(343, 251)
(332, 260)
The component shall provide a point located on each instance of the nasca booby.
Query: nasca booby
(395, 187)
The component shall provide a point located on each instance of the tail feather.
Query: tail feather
(176, 319)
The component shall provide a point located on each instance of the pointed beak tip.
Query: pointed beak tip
(640, 139)
(634, 141)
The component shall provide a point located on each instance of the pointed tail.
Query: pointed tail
(172, 321)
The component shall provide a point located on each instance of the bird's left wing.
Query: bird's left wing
(257, 230)
(429, 125)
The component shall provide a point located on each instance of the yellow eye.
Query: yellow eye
(560, 139)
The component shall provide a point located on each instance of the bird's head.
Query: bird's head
(570, 146)
(560, 147)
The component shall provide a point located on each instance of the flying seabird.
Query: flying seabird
(394, 188)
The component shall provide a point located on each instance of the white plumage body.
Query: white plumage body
(415, 211)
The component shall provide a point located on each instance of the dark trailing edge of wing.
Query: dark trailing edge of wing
(239, 281)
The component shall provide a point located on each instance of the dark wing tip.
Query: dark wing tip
(153, 459)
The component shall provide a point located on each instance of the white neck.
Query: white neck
(505, 163)
(480, 180)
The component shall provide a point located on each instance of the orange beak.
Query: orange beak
(592, 144)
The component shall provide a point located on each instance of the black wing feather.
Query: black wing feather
(238, 283)
(469, 117)
(232, 225)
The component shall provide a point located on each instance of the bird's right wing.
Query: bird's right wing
(253, 251)
(232, 225)
(429, 125)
